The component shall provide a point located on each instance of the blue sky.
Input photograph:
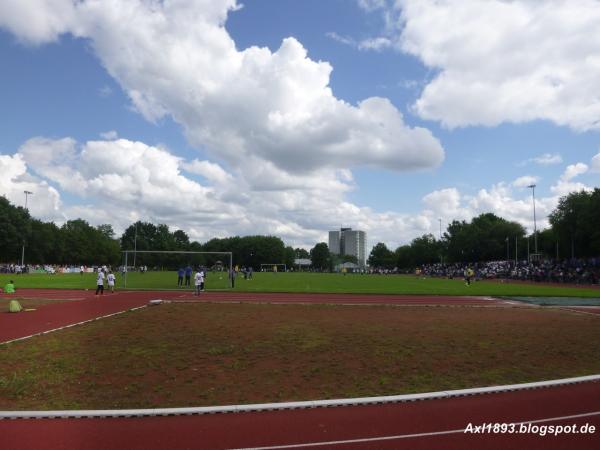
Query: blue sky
(294, 117)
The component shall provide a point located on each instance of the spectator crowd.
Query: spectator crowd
(572, 271)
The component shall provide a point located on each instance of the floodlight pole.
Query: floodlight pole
(135, 246)
(535, 246)
(441, 253)
(23, 249)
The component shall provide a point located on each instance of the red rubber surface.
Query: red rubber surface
(275, 428)
(84, 305)
(221, 431)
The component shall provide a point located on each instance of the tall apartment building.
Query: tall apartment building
(349, 242)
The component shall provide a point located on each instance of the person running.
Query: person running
(111, 281)
(188, 275)
(100, 282)
(199, 281)
(180, 274)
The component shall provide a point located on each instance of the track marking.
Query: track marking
(579, 311)
(308, 404)
(72, 325)
(407, 436)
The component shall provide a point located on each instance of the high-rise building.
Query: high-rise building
(349, 242)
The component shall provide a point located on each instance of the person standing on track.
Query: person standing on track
(100, 282)
(199, 281)
(111, 281)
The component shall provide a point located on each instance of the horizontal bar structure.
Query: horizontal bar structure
(176, 252)
(289, 405)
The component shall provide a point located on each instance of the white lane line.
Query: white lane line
(95, 413)
(407, 436)
(70, 325)
(579, 311)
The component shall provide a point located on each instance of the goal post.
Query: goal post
(273, 267)
(161, 269)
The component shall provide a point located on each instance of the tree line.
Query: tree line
(79, 243)
(574, 233)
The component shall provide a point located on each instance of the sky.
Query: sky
(292, 118)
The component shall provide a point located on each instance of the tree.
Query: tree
(319, 256)
(426, 250)
(381, 257)
(404, 257)
(289, 256)
(301, 253)
(16, 229)
(484, 239)
(575, 223)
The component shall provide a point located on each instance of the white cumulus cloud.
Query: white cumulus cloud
(176, 58)
(505, 61)
(524, 181)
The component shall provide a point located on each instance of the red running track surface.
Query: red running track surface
(84, 305)
(379, 424)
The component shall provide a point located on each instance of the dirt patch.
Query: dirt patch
(210, 354)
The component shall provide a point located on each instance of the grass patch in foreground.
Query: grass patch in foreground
(315, 282)
(212, 354)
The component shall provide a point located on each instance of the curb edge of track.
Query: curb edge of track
(311, 404)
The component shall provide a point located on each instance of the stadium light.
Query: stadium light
(23, 249)
(535, 247)
(441, 253)
(135, 245)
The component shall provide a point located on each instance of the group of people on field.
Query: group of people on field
(199, 277)
(102, 274)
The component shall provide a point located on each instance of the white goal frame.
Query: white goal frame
(176, 252)
(271, 266)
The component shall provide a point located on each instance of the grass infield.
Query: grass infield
(315, 282)
(176, 355)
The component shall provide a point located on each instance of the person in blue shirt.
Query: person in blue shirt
(188, 275)
(180, 273)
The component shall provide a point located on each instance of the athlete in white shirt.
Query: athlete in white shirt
(100, 282)
(111, 282)
(199, 281)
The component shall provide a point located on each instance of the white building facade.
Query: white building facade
(347, 241)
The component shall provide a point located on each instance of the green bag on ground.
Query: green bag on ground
(14, 306)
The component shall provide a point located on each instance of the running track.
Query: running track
(84, 305)
(386, 426)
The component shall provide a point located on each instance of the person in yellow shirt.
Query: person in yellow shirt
(468, 276)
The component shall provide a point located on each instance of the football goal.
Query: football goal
(273, 267)
(173, 270)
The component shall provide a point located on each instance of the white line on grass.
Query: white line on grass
(406, 436)
(71, 325)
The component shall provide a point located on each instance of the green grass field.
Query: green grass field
(314, 282)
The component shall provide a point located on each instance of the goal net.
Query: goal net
(173, 270)
(273, 267)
